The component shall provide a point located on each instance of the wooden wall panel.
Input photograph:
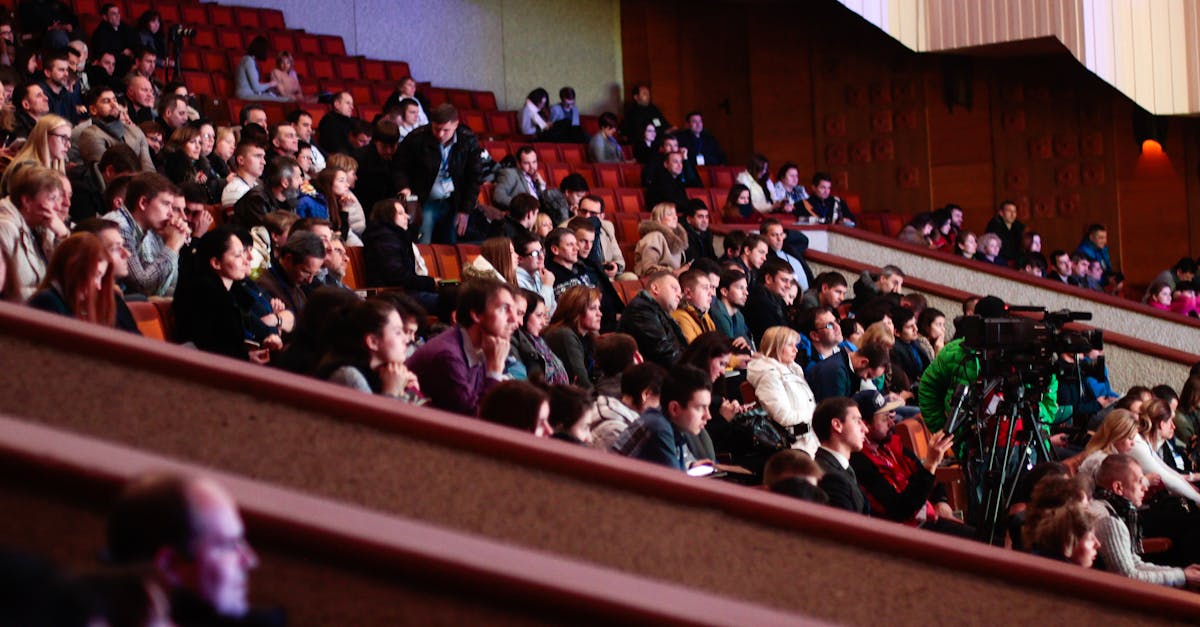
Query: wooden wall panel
(1152, 199)
(829, 91)
(781, 92)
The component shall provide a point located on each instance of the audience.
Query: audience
(252, 289)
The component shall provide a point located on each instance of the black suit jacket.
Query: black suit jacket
(841, 485)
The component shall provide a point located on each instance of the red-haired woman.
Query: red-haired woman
(79, 281)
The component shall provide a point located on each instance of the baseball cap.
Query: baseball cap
(871, 402)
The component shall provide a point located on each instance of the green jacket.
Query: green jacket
(954, 365)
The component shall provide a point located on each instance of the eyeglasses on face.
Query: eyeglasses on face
(534, 253)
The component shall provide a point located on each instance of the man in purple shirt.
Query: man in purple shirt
(459, 366)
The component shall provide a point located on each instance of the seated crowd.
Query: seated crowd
(1007, 242)
(743, 363)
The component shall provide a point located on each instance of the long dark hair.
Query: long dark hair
(346, 344)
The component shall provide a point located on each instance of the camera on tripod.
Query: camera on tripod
(1027, 347)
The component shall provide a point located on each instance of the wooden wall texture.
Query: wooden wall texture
(815, 84)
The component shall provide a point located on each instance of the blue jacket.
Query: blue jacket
(653, 438)
(1095, 253)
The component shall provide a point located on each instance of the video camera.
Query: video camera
(1026, 346)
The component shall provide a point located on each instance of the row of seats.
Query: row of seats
(189, 12)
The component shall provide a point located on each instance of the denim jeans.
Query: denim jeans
(438, 223)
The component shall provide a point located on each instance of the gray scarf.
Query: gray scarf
(114, 127)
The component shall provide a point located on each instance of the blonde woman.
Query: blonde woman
(287, 83)
(496, 260)
(1117, 434)
(662, 244)
(47, 146)
(781, 388)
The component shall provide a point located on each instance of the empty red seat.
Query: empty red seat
(547, 153)
(374, 70)
(322, 68)
(629, 200)
(283, 42)
(722, 176)
(332, 45)
(230, 39)
(699, 193)
(206, 37)
(590, 124)
(369, 112)
(194, 14)
(556, 172)
(215, 61)
(362, 95)
(271, 19)
(308, 44)
(718, 195)
(303, 67)
(631, 174)
(220, 15)
(246, 17)
(460, 98)
(397, 70)
(502, 122)
(436, 96)
(198, 83)
(221, 85)
(380, 92)
(484, 100)
(190, 60)
(170, 13)
(588, 175)
(608, 175)
(347, 68)
(475, 120)
(572, 153)
(83, 7)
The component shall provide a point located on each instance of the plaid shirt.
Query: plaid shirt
(153, 267)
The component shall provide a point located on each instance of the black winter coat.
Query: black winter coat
(419, 159)
(389, 259)
(658, 336)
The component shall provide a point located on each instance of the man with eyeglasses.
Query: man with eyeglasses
(532, 274)
(899, 485)
(822, 336)
(105, 129)
(605, 251)
(300, 260)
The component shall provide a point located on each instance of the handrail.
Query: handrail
(397, 544)
(939, 289)
(1111, 337)
(586, 465)
(1007, 273)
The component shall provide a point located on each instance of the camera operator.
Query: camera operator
(1083, 391)
(956, 364)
